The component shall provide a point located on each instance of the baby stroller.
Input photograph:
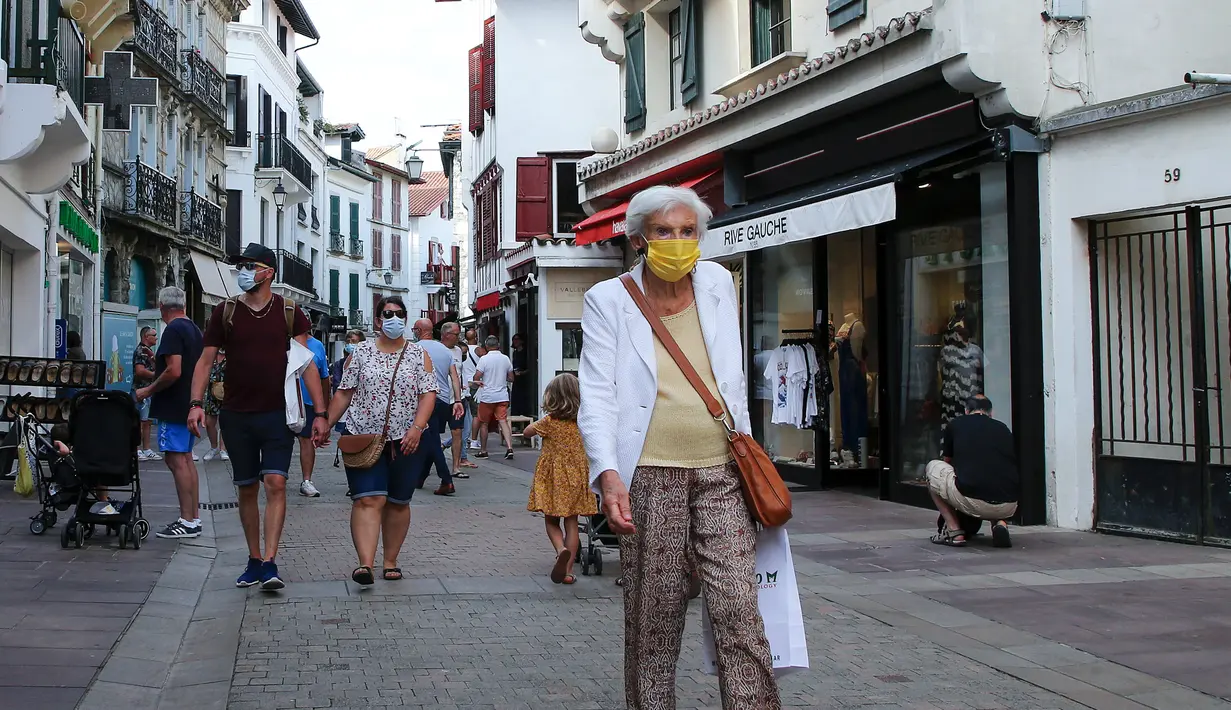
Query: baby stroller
(104, 432)
(598, 536)
(55, 478)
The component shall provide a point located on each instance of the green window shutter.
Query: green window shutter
(354, 220)
(335, 214)
(690, 25)
(843, 12)
(762, 18)
(354, 291)
(333, 287)
(634, 73)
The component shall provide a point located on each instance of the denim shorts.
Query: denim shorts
(306, 432)
(259, 443)
(174, 438)
(394, 475)
(143, 409)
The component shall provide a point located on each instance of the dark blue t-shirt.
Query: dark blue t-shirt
(181, 337)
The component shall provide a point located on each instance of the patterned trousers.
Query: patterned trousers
(698, 516)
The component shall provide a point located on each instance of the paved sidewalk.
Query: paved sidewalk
(1063, 620)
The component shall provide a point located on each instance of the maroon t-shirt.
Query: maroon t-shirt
(256, 354)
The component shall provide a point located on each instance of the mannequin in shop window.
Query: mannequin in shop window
(852, 387)
(961, 365)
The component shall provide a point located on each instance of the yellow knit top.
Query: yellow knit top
(682, 433)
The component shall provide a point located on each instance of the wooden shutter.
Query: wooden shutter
(634, 73)
(533, 197)
(354, 291)
(335, 214)
(333, 287)
(378, 257)
(476, 90)
(395, 251)
(843, 12)
(235, 222)
(354, 219)
(241, 113)
(489, 64)
(378, 199)
(395, 197)
(690, 26)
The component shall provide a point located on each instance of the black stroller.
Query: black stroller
(598, 536)
(104, 432)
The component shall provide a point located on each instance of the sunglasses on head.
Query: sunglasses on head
(250, 266)
(388, 313)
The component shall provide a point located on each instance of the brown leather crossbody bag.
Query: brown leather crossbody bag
(765, 494)
(364, 450)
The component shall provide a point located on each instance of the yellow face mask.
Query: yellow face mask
(672, 259)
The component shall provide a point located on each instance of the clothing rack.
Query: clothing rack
(809, 340)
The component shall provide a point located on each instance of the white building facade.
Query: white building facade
(389, 270)
(434, 253)
(349, 183)
(522, 173)
(922, 180)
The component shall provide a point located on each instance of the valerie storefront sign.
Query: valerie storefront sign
(838, 214)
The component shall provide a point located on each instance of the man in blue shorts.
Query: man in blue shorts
(177, 357)
(255, 328)
(307, 451)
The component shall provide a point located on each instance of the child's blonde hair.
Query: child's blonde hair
(562, 398)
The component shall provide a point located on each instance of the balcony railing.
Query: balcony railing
(240, 139)
(337, 243)
(301, 213)
(355, 318)
(205, 83)
(154, 38)
(294, 272)
(275, 151)
(436, 275)
(149, 194)
(356, 248)
(41, 46)
(433, 315)
(316, 220)
(201, 220)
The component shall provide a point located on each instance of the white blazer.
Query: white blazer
(619, 375)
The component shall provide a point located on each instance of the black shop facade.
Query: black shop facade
(888, 268)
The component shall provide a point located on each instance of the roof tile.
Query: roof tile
(425, 197)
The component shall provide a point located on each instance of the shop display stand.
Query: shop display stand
(55, 373)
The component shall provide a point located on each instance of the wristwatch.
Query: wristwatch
(320, 414)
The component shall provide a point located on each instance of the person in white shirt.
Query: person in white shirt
(450, 337)
(470, 364)
(494, 374)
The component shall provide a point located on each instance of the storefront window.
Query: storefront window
(954, 308)
(570, 348)
(782, 377)
(852, 410)
(72, 292)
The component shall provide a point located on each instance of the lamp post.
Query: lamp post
(279, 202)
(414, 166)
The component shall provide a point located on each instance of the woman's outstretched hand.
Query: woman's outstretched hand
(616, 504)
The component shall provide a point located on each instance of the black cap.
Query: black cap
(258, 253)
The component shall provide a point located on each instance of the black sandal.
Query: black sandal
(949, 538)
(392, 574)
(363, 576)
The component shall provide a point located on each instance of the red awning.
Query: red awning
(486, 303)
(609, 223)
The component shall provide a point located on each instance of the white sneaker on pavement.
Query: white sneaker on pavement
(474, 445)
(143, 455)
(195, 457)
(211, 454)
(224, 455)
(152, 455)
(307, 489)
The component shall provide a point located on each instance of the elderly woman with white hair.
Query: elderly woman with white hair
(661, 462)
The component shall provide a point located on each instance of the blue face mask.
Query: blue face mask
(348, 348)
(393, 328)
(246, 280)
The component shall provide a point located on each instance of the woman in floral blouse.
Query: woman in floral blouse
(381, 494)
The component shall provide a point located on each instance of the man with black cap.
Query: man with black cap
(255, 329)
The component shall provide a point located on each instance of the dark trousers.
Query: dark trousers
(433, 452)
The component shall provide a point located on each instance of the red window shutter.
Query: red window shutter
(476, 90)
(396, 199)
(377, 256)
(378, 199)
(533, 197)
(489, 64)
(395, 244)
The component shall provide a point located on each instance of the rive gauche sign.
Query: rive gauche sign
(838, 214)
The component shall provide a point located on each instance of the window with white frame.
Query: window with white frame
(676, 70)
(568, 211)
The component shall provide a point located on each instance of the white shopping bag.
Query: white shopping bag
(778, 599)
(297, 360)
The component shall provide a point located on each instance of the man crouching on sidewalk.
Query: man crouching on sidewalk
(978, 476)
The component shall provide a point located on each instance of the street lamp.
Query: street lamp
(414, 167)
(280, 196)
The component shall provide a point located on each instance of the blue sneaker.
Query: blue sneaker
(251, 575)
(270, 582)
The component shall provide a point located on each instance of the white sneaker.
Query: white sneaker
(151, 455)
(143, 455)
(474, 445)
(211, 454)
(103, 508)
(224, 455)
(195, 457)
(307, 489)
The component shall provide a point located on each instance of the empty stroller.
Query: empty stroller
(104, 432)
(598, 536)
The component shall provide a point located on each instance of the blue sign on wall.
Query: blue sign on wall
(61, 338)
(119, 342)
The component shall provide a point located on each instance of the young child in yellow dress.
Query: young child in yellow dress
(561, 489)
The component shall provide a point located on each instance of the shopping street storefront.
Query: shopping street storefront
(890, 270)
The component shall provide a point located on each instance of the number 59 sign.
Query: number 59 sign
(1171, 175)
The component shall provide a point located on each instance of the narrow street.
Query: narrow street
(892, 621)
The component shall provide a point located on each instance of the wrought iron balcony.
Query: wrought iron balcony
(149, 194)
(355, 318)
(205, 83)
(154, 38)
(356, 248)
(316, 220)
(275, 151)
(301, 213)
(294, 272)
(41, 46)
(337, 243)
(201, 220)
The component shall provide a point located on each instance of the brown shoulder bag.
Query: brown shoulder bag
(765, 494)
(364, 450)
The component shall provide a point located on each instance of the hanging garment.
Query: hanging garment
(961, 373)
(853, 386)
(822, 386)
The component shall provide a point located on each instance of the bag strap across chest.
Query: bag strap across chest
(228, 315)
(392, 384)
